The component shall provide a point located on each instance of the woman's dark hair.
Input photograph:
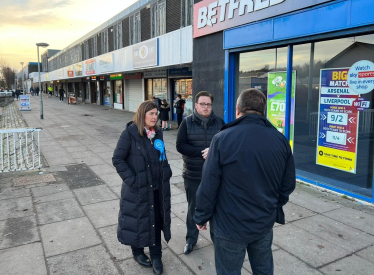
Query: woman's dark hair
(203, 93)
(139, 117)
(251, 101)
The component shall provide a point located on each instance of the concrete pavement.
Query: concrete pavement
(63, 221)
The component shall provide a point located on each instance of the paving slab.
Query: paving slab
(89, 261)
(66, 236)
(349, 265)
(180, 210)
(11, 193)
(312, 202)
(176, 179)
(178, 240)
(353, 218)
(80, 148)
(116, 249)
(18, 231)
(26, 259)
(103, 169)
(16, 208)
(335, 232)
(176, 171)
(367, 253)
(294, 212)
(103, 214)
(56, 211)
(172, 266)
(309, 248)
(94, 194)
(116, 189)
(80, 176)
(175, 190)
(111, 179)
(55, 197)
(33, 179)
(49, 189)
(286, 264)
(178, 198)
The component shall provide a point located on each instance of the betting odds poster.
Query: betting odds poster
(276, 101)
(338, 121)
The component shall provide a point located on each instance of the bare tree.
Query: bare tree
(7, 74)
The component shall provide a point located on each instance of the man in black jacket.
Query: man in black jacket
(179, 108)
(193, 141)
(247, 179)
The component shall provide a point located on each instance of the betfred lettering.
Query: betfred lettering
(209, 15)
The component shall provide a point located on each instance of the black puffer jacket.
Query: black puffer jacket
(136, 215)
(192, 139)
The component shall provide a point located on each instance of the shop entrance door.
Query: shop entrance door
(93, 92)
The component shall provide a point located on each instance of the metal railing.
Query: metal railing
(20, 149)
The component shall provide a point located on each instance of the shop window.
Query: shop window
(118, 95)
(326, 134)
(134, 26)
(157, 87)
(104, 41)
(184, 88)
(187, 13)
(117, 36)
(158, 18)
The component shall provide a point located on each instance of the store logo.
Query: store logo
(208, 15)
(279, 82)
(143, 51)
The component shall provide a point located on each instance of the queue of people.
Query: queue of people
(237, 176)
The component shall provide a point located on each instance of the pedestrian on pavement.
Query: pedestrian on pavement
(61, 92)
(193, 142)
(56, 91)
(179, 108)
(164, 114)
(18, 91)
(37, 91)
(247, 179)
(140, 161)
(32, 91)
(50, 91)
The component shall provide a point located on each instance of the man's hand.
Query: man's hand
(201, 227)
(205, 153)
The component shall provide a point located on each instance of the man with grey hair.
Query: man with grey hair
(247, 179)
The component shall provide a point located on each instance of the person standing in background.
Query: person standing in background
(179, 108)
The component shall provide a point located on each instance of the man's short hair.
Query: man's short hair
(179, 95)
(203, 93)
(251, 101)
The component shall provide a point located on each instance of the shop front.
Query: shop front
(318, 79)
(156, 82)
(181, 83)
(104, 91)
(117, 85)
(94, 90)
(86, 90)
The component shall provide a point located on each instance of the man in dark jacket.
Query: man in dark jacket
(179, 109)
(193, 141)
(247, 179)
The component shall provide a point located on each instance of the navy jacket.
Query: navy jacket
(247, 178)
(136, 215)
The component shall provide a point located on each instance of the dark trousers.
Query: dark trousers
(61, 97)
(192, 231)
(229, 255)
(155, 251)
(179, 119)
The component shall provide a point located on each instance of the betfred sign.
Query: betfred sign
(215, 15)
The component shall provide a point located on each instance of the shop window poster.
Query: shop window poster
(276, 101)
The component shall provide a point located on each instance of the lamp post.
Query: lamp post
(23, 81)
(44, 45)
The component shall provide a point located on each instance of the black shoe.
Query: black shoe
(143, 260)
(188, 248)
(157, 265)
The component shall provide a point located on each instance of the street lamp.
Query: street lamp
(23, 81)
(43, 45)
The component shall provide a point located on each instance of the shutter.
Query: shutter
(145, 15)
(173, 15)
(125, 32)
(135, 94)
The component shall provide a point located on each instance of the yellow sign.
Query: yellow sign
(338, 159)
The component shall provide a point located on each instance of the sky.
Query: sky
(23, 23)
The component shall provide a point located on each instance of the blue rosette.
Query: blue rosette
(160, 146)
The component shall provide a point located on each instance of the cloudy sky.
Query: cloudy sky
(56, 22)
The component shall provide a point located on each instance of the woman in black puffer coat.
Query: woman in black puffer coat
(145, 195)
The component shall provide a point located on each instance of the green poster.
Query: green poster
(276, 102)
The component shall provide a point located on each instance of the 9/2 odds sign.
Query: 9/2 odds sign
(338, 121)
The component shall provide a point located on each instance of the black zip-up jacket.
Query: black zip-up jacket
(136, 215)
(247, 178)
(192, 139)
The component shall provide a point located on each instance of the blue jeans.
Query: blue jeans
(229, 255)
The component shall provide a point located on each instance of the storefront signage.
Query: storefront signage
(47, 76)
(132, 76)
(70, 71)
(338, 121)
(78, 69)
(90, 66)
(276, 102)
(93, 78)
(105, 62)
(104, 77)
(25, 102)
(361, 77)
(211, 16)
(115, 76)
(145, 54)
(155, 74)
(185, 71)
